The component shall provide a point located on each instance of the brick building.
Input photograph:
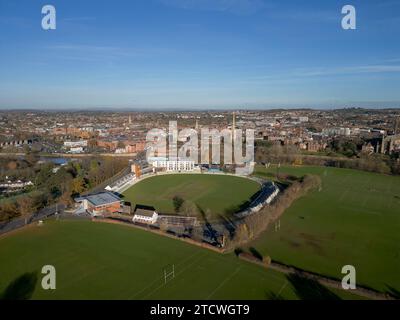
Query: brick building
(100, 203)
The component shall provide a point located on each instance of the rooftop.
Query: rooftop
(101, 198)
(144, 210)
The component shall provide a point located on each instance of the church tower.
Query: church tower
(233, 123)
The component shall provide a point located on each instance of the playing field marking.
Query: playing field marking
(164, 284)
(67, 258)
(257, 269)
(357, 210)
(82, 275)
(344, 193)
(176, 274)
(216, 257)
(365, 197)
(223, 282)
(283, 287)
(343, 183)
(389, 191)
(267, 276)
(273, 277)
(162, 277)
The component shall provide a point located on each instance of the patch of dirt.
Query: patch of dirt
(293, 244)
(313, 242)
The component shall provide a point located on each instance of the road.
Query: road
(41, 214)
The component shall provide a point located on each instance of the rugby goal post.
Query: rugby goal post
(169, 273)
(277, 225)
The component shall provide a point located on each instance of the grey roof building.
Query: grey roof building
(99, 203)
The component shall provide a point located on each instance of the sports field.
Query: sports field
(107, 261)
(220, 194)
(354, 219)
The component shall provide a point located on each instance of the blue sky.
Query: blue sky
(199, 54)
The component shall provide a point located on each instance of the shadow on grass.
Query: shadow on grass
(21, 288)
(274, 296)
(238, 251)
(229, 225)
(393, 292)
(308, 289)
(256, 253)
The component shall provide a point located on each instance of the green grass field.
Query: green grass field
(106, 261)
(354, 219)
(220, 194)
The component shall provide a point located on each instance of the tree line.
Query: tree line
(53, 184)
(267, 152)
(250, 227)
